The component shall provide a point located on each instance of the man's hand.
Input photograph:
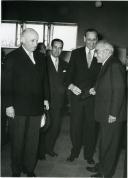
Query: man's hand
(111, 119)
(10, 112)
(43, 120)
(92, 91)
(46, 104)
(74, 89)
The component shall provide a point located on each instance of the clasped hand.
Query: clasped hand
(74, 89)
(92, 91)
(46, 104)
(77, 91)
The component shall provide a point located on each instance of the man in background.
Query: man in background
(81, 76)
(26, 94)
(41, 48)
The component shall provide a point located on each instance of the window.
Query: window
(8, 35)
(18, 36)
(68, 33)
(11, 33)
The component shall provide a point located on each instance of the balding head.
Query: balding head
(29, 39)
(103, 51)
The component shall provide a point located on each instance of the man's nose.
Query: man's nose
(57, 50)
(95, 54)
(35, 43)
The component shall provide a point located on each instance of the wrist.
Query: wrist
(70, 87)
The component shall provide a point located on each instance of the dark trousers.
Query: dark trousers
(109, 147)
(125, 165)
(41, 147)
(82, 126)
(24, 132)
(54, 129)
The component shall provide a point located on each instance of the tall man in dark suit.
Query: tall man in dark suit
(110, 108)
(81, 75)
(26, 95)
(56, 71)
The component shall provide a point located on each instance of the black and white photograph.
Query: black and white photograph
(64, 88)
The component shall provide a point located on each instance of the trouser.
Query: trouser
(82, 126)
(54, 129)
(109, 147)
(24, 132)
(41, 148)
(125, 165)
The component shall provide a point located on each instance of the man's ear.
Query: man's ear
(22, 39)
(84, 39)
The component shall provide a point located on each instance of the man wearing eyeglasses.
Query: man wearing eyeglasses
(110, 108)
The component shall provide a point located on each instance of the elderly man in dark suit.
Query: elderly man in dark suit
(26, 95)
(110, 108)
(56, 71)
(81, 76)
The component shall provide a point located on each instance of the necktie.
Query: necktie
(31, 57)
(56, 64)
(89, 58)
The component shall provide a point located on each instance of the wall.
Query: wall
(110, 19)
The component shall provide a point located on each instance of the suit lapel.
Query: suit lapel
(60, 67)
(83, 57)
(104, 67)
(103, 70)
(38, 62)
(26, 58)
(51, 65)
(27, 63)
(93, 63)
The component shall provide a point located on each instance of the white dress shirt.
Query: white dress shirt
(92, 52)
(30, 54)
(55, 62)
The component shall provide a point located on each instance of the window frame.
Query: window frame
(47, 40)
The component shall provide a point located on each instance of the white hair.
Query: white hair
(28, 30)
(106, 45)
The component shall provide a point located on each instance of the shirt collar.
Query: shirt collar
(87, 50)
(53, 58)
(28, 53)
(105, 61)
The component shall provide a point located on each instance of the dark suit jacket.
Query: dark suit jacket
(26, 83)
(78, 72)
(110, 96)
(56, 82)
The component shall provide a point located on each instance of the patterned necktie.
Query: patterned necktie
(56, 64)
(89, 58)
